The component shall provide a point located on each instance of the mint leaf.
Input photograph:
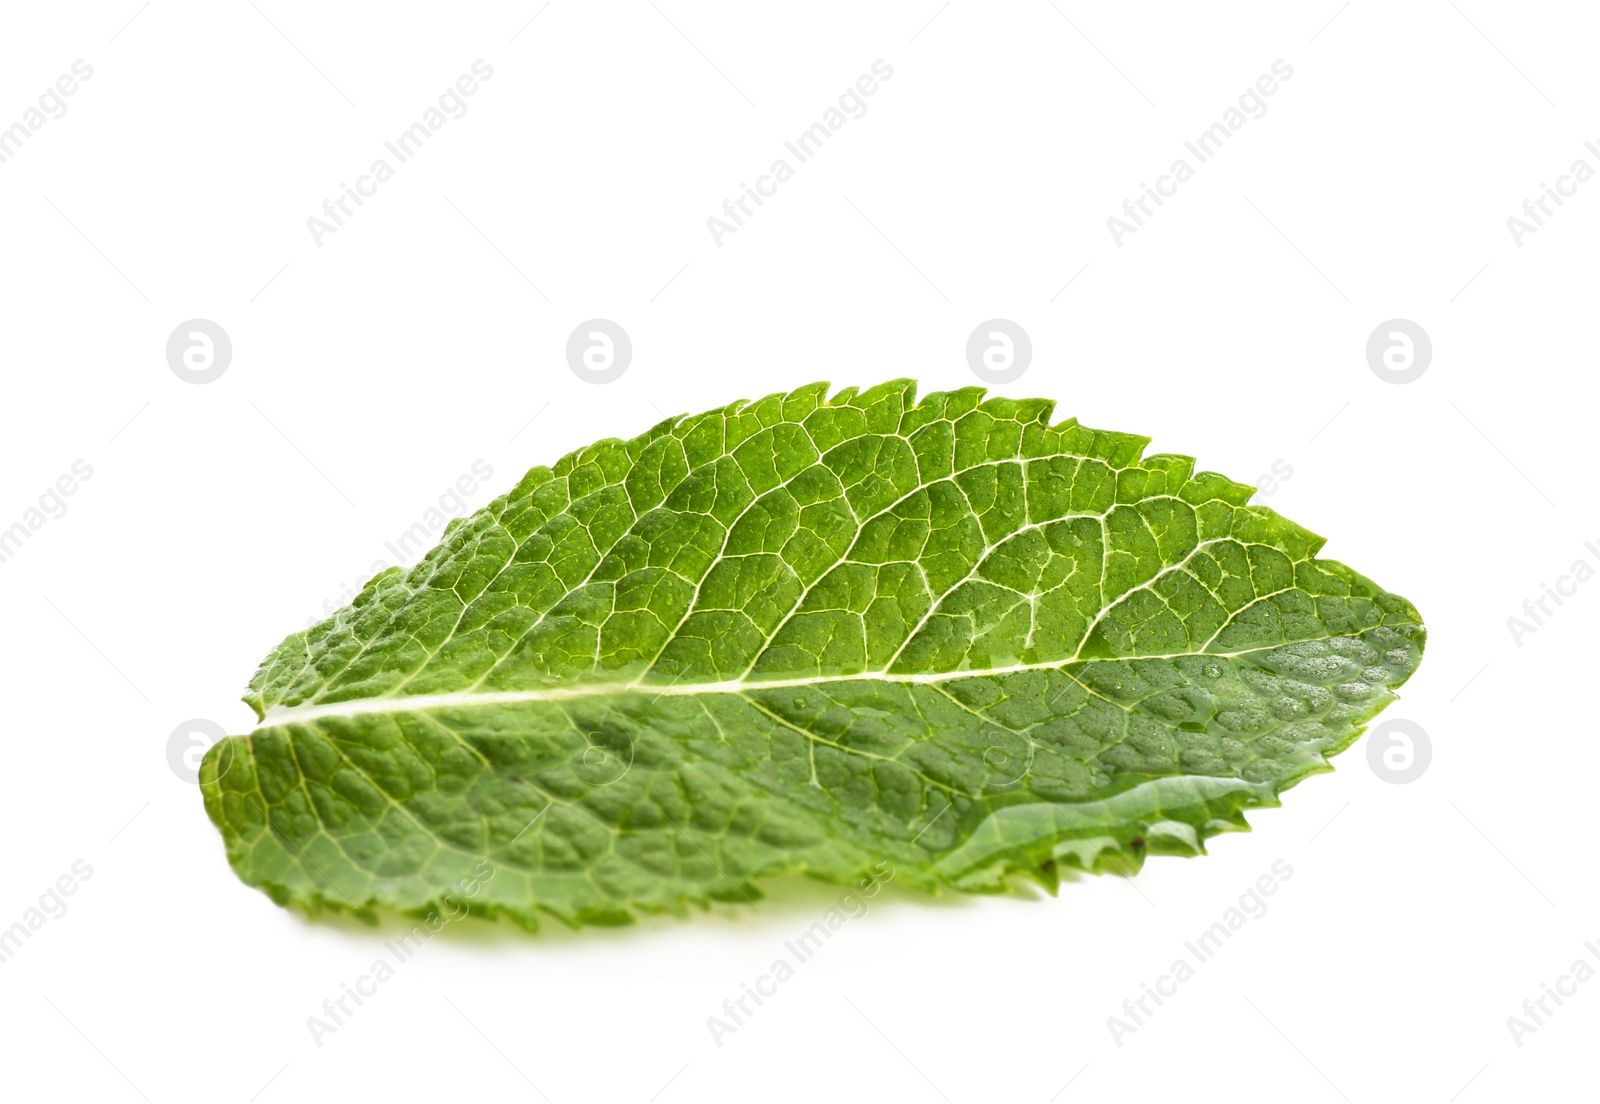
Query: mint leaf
(806, 635)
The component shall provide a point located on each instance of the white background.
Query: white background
(370, 371)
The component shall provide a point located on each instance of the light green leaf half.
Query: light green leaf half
(806, 634)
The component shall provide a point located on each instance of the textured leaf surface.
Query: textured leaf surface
(807, 635)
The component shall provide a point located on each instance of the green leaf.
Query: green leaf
(806, 635)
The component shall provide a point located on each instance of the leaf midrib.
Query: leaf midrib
(279, 715)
